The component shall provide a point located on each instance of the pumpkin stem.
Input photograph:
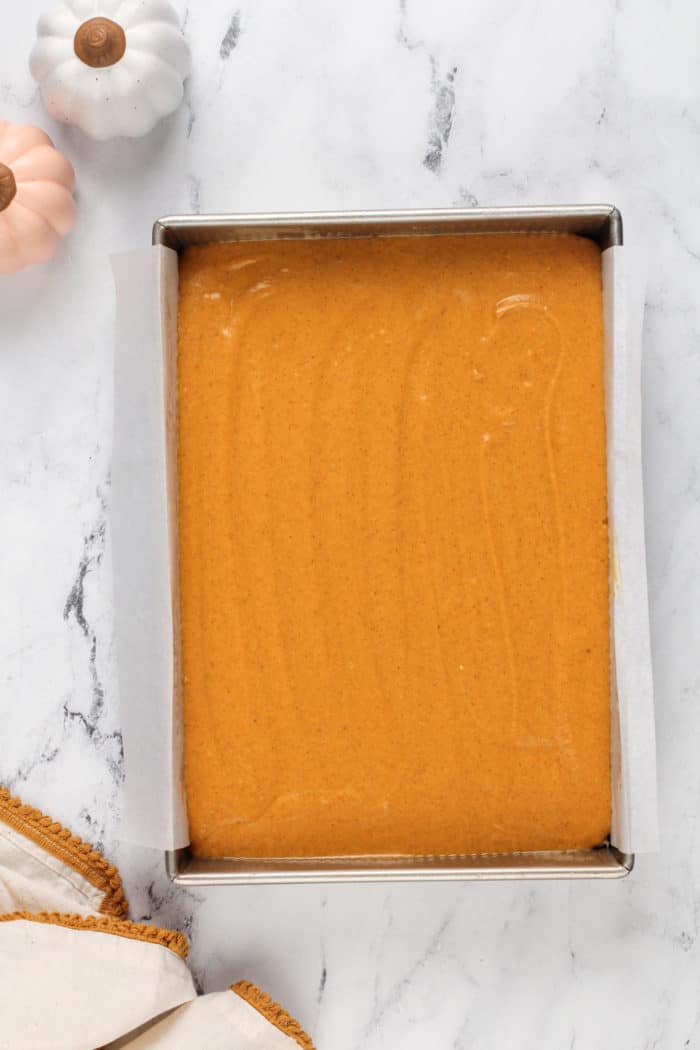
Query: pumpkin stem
(99, 42)
(8, 186)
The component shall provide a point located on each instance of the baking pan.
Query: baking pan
(601, 223)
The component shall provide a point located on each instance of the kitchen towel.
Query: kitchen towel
(76, 973)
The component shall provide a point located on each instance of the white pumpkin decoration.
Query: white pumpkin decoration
(113, 67)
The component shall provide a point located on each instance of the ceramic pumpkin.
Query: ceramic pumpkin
(36, 202)
(113, 67)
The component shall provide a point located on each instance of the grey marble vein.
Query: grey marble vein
(195, 189)
(401, 987)
(230, 38)
(89, 722)
(443, 89)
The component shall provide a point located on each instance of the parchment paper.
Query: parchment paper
(144, 529)
(635, 817)
(144, 538)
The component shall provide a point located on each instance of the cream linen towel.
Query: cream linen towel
(76, 974)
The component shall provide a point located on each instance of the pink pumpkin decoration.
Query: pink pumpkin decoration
(36, 202)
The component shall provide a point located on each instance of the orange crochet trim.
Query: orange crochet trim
(135, 931)
(69, 848)
(272, 1012)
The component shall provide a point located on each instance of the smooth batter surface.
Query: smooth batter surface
(393, 541)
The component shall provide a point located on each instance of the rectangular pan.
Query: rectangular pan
(601, 223)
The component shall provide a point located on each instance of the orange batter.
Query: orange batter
(393, 544)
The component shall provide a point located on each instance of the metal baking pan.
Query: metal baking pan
(601, 223)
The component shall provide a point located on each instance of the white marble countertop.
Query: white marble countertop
(307, 104)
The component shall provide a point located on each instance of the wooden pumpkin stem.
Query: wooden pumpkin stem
(99, 42)
(8, 186)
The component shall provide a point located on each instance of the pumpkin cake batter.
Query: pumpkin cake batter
(393, 546)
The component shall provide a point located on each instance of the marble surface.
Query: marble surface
(306, 104)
